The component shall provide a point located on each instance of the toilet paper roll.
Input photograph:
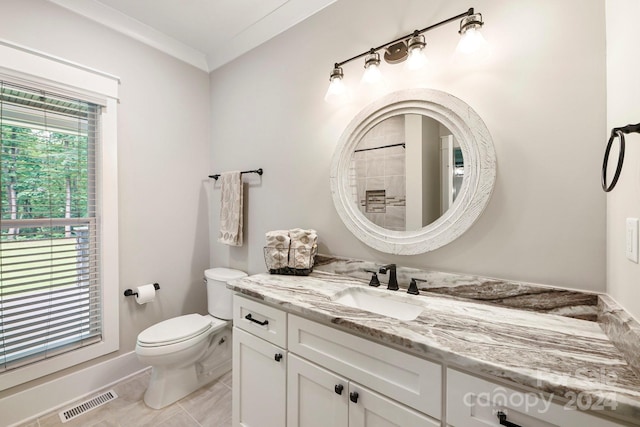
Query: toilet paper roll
(146, 293)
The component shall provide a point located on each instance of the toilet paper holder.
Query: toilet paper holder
(129, 292)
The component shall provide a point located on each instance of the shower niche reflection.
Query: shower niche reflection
(406, 172)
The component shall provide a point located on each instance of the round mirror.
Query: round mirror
(413, 171)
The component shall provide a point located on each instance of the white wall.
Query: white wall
(623, 92)
(541, 94)
(163, 141)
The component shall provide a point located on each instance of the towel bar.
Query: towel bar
(258, 171)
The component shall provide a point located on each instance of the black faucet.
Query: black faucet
(393, 279)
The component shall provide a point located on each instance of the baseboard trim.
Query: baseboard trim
(37, 401)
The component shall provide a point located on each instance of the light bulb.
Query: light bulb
(416, 60)
(471, 42)
(337, 91)
(372, 74)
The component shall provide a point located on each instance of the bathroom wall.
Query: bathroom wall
(623, 92)
(163, 141)
(542, 95)
(382, 170)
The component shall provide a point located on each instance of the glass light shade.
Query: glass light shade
(417, 59)
(337, 91)
(372, 74)
(471, 42)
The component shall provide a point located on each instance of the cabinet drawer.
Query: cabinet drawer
(261, 320)
(475, 402)
(410, 380)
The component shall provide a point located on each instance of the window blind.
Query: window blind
(50, 296)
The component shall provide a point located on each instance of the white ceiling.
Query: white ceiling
(204, 33)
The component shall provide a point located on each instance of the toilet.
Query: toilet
(187, 352)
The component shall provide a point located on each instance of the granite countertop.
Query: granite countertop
(555, 354)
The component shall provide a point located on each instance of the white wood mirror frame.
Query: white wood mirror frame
(479, 171)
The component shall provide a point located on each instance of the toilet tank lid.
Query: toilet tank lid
(224, 274)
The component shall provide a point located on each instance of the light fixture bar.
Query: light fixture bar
(415, 33)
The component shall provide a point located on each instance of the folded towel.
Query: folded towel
(231, 208)
(277, 251)
(302, 249)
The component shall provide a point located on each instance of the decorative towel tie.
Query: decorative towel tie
(231, 209)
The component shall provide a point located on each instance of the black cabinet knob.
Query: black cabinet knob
(278, 357)
(353, 396)
(338, 388)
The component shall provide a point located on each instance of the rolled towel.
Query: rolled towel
(303, 245)
(302, 257)
(276, 258)
(278, 239)
(276, 252)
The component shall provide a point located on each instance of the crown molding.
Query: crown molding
(135, 29)
(289, 14)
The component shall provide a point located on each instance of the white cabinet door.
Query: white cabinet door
(315, 397)
(408, 379)
(476, 402)
(259, 382)
(370, 409)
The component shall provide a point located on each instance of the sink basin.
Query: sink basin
(379, 302)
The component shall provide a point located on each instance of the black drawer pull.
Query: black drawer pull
(251, 319)
(278, 357)
(502, 417)
(338, 388)
(353, 396)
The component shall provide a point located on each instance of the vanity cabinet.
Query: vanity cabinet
(317, 397)
(259, 365)
(324, 377)
(294, 372)
(476, 402)
(412, 381)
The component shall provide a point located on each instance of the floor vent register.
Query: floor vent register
(86, 406)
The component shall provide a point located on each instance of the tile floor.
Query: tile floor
(209, 406)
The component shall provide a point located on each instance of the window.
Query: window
(49, 253)
(58, 215)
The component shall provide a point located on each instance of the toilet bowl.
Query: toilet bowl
(189, 351)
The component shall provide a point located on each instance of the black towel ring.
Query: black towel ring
(616, 132)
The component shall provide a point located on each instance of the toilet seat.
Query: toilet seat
(177, 330)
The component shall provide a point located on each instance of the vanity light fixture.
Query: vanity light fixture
(416, 59)
(337, 91)
(372, 72)
(471, 39)
(411, 47)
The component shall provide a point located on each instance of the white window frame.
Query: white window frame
(27, 66)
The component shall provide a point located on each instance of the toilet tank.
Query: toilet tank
(219, 298)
